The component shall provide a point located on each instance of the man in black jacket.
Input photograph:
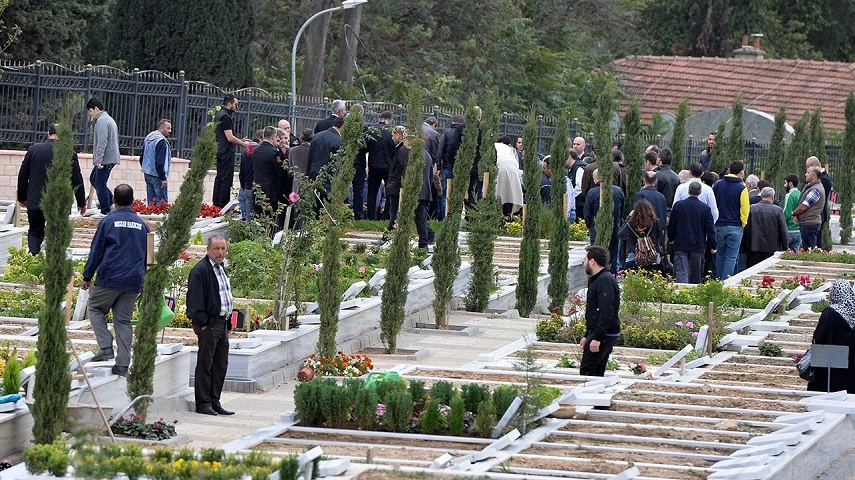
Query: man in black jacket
(323, 146)
(270, 176)
(449, 144)
(667, 180)
(209, 306)
(379, 150)
(426, 234)
(396, 174)
(602, 325)
(32, 178)
(766, 231)
(339, 109)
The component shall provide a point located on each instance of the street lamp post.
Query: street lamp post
(345, 5)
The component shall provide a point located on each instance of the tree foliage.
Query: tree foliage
(529, 262)
(633, 155)
(174, 234)
(485, 218)
(777, 152)
(604, 221)
(678, 138)
(817, 149)
(446, 257)
(736, 141)
(719, 159)
(847, 165)
(342, 170)
(53, 381)
(559, 254)
(394, 298)
(799, 149)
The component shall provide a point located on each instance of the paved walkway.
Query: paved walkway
(256, 410)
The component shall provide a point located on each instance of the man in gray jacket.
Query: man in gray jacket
(766, 231)
(105, 152)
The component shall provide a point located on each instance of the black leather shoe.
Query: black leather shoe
(206, 411)
(120, 371)
(222, 411)
(103, 355)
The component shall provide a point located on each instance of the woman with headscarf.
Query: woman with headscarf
(508, 185)
(837, 327)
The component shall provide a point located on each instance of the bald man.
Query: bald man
(293, 141)
(826, 185)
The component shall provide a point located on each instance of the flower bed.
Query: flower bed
(342, 365)
(817, 255)
(205, 210)
(131, 426)
(642, 287)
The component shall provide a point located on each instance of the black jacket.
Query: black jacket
(601, 313)
(325, 124)
(426, 195)
(449, 144)
(246, 175)
(667, 182)
(399, 168)
(655, 232)
(832, 329)
(270, 174)
(696, 232)
(655, 198)
(826, 184)
(766, 230)
(323, 145)
(203, 294)
(379, 147)
(32, 177)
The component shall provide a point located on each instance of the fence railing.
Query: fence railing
(32, 95)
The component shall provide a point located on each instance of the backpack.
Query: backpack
(645, 250)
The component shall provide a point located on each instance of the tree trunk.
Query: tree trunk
(349, 45)
(312, 81)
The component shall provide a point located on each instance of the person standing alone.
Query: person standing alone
(118, 254)
(154, 160)
(226, 142)
(105, 152)
(602, 325)
(209, 306)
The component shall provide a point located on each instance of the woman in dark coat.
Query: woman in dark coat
(837, 327)
(642, 222)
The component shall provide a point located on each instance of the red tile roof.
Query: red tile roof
(660, 83)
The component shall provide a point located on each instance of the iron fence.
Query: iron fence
(33, 94)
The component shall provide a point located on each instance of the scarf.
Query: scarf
(842, 301)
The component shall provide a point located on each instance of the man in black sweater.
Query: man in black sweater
(602, 325)
(32, 178)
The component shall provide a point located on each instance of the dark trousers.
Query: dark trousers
(474, 192)
(375, 176)
(223, 181)
(36, 234)
(580, 208)
(507, 209)
(392, 203)
(212, 361)
(426, 234)
(358, 188)
(810, 235)
(98, 179)
(756, 257)
(594, 364)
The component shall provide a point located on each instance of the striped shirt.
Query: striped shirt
(225, 288)
(811, 198)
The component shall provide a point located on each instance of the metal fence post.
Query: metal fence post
(689, 151)
(180, 136)
(135, 102)
(86, 99)
(752, 154)
(539, 131)
(575, 128)
(246, 128)
(37, 100)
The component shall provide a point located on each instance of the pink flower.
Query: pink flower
(679, 324)
(690, 325)
(317, 268)
(361, 269)
(294, 197)
(694, 334)
(341, 262)
(381, 410)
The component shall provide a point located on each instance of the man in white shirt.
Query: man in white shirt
(706, 196)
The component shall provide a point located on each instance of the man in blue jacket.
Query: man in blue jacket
(118, 255)
(154, 160)
(692, 231)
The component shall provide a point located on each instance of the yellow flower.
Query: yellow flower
(217, 465)
(149, 469)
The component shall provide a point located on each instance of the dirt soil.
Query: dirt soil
(602, 456)
(768, 370)
(657, 433)
(782, 361)
(731, 425)
(693, 413)
(711, 402)
(520, 378)
(525, 462)
(792, 382)
(712, 390)
(632, 446)
(403, 442)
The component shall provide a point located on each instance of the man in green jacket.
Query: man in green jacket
(791, 201)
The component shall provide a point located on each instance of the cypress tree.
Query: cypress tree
(847, 165)
(342, 170)
(736, 140)
(604, 221)
(633, 154)
(799, 149)
(529, 264)
(486, 218)
(127, 26)
(174, 235)
(777, 151)
(394, 298)
(719, 159)
(446, 257)
(559, 254)
(53, 381)
(817, 137)
(678, 139)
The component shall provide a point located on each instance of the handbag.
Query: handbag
(803, 366)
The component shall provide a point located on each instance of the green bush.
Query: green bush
(543, 395)
(365, 408)
(485, 419)
(335, 404)
(307, 400)
(813, 256)
(251, 266)
(503, 396)
(442, 391)
(768, 349)
(455, 417)
(289, 468)
(473, 394)
(47, 457)
(399, 411)
(819, 306)
(417, 392)
(431, 420)
(388, 387)
(12, 375)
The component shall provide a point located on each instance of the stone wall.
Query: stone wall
(128, 172)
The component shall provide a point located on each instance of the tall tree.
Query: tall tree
(817, 149)
(604, 221)
(559, 254)
(128, 23)
(446, 257)
(8, 32)
(53, 381)
(348, 46)
(52, 30)
(777, 150)
(633, 154)
(678, 135)
(720, 161)
(529, 261)
(736, 140)
(312, 79)
(486, 216)
(799, 149)
(394, 298)
(847, 165)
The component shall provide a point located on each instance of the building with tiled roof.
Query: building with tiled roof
(660, 83)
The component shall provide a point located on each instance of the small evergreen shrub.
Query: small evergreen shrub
(335, 405)
(473, 395)
(12, 375)
(399, 411)
(442, 391)
(455, 417)
(431, 420)
(385, 388)
(307, 400)
(503, 396)
(289, 468)
(768, 349)
(485, 420)
(365, 408)
(417, 392)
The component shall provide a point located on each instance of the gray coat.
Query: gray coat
(426, 195)
(105, 141)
